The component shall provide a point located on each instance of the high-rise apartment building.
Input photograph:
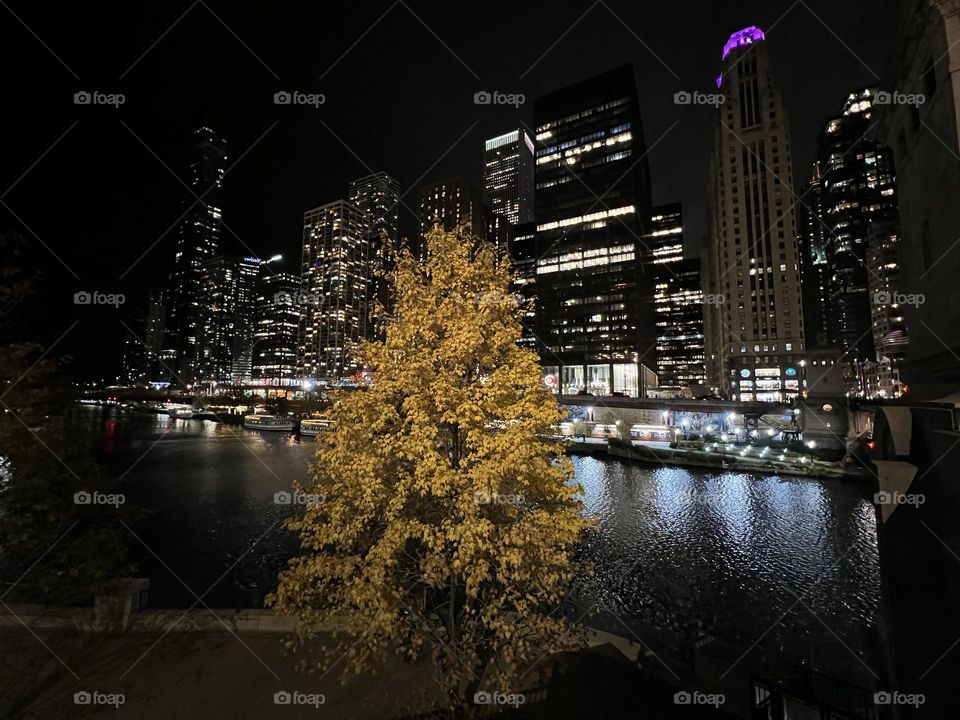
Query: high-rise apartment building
(856, 188)
(887, 309)
(142, 353)
(198, 240)
(595, 312)
(508, 176)
(814, 271)
(335, 274)
(378, 196)
(274, 350)
(678, 301)
(454, 202)
(754, 315)
(229, 313)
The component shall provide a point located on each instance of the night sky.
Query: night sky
(399, 81)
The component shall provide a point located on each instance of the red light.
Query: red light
(871, 444)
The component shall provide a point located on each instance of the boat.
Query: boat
(315, 426)
(180, 412)
(267, 422)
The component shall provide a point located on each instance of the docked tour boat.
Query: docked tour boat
(315, 426)
(267, 422)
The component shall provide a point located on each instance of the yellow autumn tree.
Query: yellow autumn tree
(449, 517)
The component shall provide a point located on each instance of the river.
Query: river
(732, 551)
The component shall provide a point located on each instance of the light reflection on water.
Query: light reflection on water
(729, 548)
(732, 549)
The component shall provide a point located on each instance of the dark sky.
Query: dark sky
(399, 81)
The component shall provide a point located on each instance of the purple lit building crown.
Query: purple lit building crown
(741, 38)
(747, 36)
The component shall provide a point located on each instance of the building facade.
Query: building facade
(335, 276)
(890, 338)
(454, 202)
(752, 279)
(920, 120)
(274, 349)
(198, 240)
(856, 189)
(595, 311)
(229, 312)
(814, 272)
(678, 301)
(508, 176)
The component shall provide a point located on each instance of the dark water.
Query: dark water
(730, 552)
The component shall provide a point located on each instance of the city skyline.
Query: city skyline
(540, 361)
(264, 214)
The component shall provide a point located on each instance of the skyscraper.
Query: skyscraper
(856, 188)
(595, 312)
(678, 300)
(335, 275)
(455, 202)
(508, 176)
(814, 271)
(141, 354)
(274, 350)
(752, 275)
(378, 196)
(229, 313)
(198, 240)
(890, 338)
